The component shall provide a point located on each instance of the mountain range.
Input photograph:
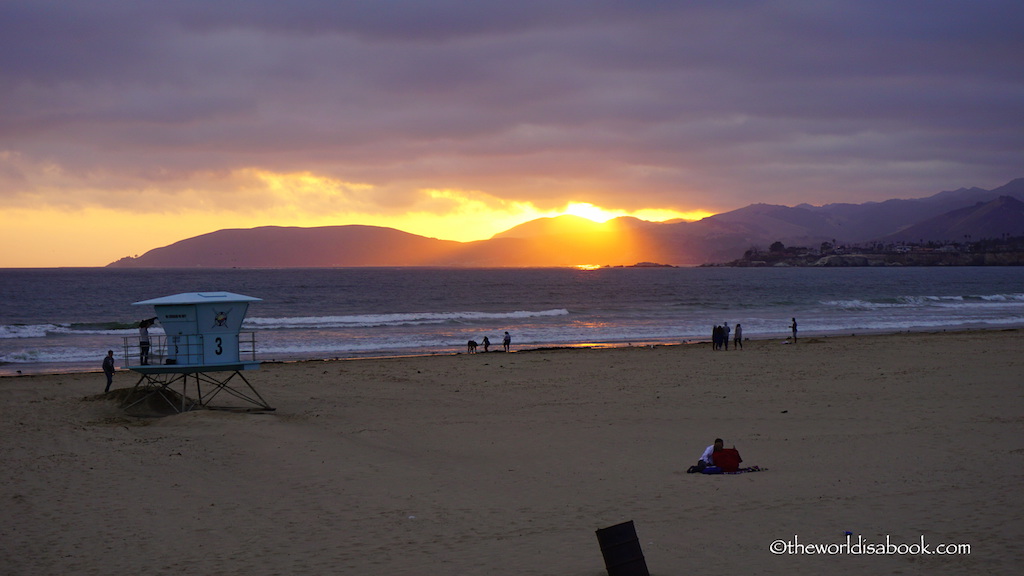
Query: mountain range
(959, 215)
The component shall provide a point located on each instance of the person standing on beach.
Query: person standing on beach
(144, 340)
(487, 343)
(108, 369)
(507, 342)
(793, 328)
(737, 343)
(725, 335)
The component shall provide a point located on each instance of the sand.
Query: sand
(508, 463)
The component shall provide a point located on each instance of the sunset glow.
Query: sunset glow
(460, 121)
(255, 197)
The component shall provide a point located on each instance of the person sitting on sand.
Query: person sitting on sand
(707, 458)
(719, 458)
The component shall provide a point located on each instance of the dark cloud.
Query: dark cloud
(625, 104)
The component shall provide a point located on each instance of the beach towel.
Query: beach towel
(717, 470)
(748, 469)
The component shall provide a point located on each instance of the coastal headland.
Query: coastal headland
(508, 463)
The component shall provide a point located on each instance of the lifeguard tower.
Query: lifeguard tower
(202, 341)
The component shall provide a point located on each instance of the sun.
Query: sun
(602, 215)
(591, 212)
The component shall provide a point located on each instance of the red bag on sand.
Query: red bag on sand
(728, 459)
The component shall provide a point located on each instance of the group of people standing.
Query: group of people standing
(721, 334)
(720, 337)
(506, 344)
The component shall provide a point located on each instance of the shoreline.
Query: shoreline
(54, 369)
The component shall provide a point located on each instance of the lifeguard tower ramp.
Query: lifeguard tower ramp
(203, 345)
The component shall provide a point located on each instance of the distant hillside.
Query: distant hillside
(875, 220)
(1002, 215)
(1014, 189)
(341, 246)
(571, 241)
(273, 246)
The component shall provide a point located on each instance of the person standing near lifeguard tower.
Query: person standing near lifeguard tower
(108, 369)
(144, 340)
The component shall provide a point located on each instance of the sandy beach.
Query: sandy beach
(508, 463)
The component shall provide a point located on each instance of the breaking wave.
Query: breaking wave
(405, 319)
(926, 302)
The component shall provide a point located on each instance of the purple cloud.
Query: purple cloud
(622, 104)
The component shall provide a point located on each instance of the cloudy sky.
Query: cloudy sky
(128, 125)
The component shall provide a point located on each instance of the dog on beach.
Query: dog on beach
(471, 347)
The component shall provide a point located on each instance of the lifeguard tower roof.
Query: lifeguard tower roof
(198, 298)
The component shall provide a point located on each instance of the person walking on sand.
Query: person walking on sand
(507, 342)
(108, 369)
(737, 343)
(793, 328)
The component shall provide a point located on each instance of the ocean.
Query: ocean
(64, 320)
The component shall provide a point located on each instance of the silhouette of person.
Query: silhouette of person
(793, 328)
(507, 342)
(108, 369)
(487, 343)
(144, 340)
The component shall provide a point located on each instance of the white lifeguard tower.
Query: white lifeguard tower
(202, 338)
